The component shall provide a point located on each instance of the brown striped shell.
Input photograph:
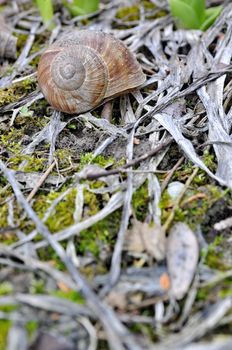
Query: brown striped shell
(85, 67)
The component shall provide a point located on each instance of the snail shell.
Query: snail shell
(85, 67)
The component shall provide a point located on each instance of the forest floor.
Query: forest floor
(115, 233)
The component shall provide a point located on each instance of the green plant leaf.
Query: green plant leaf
(199, 8)
(46, 11)
(185, 14)
(80, 7)
(211, 14)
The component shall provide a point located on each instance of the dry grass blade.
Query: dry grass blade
(41, 181)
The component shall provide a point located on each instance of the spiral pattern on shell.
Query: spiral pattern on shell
(83, 68)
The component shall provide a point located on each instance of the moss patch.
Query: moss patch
(4, 329)
(132, 13)
(17, 91)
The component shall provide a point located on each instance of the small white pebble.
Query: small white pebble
(175, 188)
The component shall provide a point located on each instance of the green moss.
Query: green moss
(91, 203)
(63, 156)
(44, 201)
(17, 91)
(128, 13)
(4, 329)
(165, 205)
(8, 308)
(62, 216)
(3, 219)
(214, 260)
(226, 288)
(132, 13)
(88, 158)
(201, 178)
(12, 143)
(5, 288)
(21, 41)
(11, 140)
(193, 211)
(31, 328)
(213, 292)
(27, 85)
(91, 239)
(145, 329)
(8, 95)
(34, 163)
(140, 202)
(214, 255)
(37, 45)
(203, 294)
(37, 286)
(102, 234)
(71, 295)
(210, 161)
(198, 198)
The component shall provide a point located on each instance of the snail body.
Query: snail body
(83, 68)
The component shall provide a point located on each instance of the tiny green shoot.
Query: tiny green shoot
(193, 14)
(80, 7)
(45, 8)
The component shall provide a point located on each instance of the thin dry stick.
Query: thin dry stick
(170, 174)
(131, 163)
(115, 268)
(177, 202)
(40, 182)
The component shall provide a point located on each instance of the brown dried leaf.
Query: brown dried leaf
(143, 237)
(182, 258)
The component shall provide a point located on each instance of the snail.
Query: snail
(85, 67)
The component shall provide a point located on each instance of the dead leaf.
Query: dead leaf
(182, 258)
(143, 237)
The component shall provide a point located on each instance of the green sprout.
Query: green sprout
(80, 7)
(193, 14)
(75, 7)
(46, 11)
